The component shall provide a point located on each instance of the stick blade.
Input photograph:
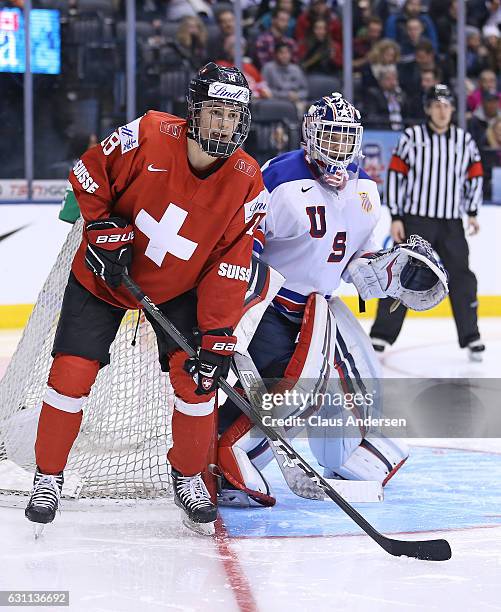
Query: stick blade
(426, 550)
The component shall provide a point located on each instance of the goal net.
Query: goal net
(125, 434)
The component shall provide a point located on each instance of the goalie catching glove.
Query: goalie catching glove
(109, 249)
(213, 359)
(408, 272)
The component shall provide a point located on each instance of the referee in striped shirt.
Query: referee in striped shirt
(434, 177)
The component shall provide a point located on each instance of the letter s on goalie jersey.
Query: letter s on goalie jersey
(234, 271)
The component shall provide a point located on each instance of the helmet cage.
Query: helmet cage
(222, 129)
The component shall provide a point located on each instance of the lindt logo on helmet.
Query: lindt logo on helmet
(229, 92)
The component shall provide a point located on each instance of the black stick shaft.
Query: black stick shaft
(433, 550)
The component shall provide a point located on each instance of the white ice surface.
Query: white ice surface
(139, 557)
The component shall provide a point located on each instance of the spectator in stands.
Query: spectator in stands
(494, 137)
(255, 79)
(414, 36)
(191, 42)
(496, 63)
(491, 154)
(477, 54)
(396, 24)
(491, 37)
(484, 116)
(487, 83)
(149, 10)
(445, 19)
(384, 106)
(268, 41)
(154, 51)
(318, 53)
(285, 79)
(384, 53)
(179, 9)
(365, 40)
(317, 9)
(489, 12)
(425, 59)
(264, 22)
(362, 14)
(428, 78)
(225, 21)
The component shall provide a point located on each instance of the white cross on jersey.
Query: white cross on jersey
(164, 234)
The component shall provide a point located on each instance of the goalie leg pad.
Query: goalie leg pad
(309, 360)
(358, 371)
(375, 459)
(237, 468)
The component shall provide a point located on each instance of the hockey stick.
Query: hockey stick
(431, 550)
(250, 379)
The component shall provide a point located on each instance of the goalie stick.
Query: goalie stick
(430, 550)
(298, 482)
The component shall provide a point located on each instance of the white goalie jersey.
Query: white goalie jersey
(311, 231)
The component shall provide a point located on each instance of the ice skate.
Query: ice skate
(476, 351)
(44, 501)
(190, 494)
(379, 345)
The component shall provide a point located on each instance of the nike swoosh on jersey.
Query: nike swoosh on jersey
(152, 168)
(307, 189)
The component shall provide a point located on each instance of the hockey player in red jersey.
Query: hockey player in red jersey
(168, 200)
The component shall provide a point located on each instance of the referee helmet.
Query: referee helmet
(438, 93)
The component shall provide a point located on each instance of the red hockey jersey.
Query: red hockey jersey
(188, 232)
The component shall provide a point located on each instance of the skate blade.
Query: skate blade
(38, 529)
(475, 357)
(205, 529)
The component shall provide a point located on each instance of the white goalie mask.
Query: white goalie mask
(332, 134)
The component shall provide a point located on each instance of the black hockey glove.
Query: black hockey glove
(109, 251)
(213, 359)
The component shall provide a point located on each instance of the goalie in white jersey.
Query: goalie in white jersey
(322, 212)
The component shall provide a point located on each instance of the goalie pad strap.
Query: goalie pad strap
(236, 431)
(300, 355)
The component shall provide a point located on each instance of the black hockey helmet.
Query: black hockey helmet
(440, 93)
(225, 94)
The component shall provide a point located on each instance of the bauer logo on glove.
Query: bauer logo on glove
(408, 272)
(213, 358)
(109, 248)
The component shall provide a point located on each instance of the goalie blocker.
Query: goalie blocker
(332, 354)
